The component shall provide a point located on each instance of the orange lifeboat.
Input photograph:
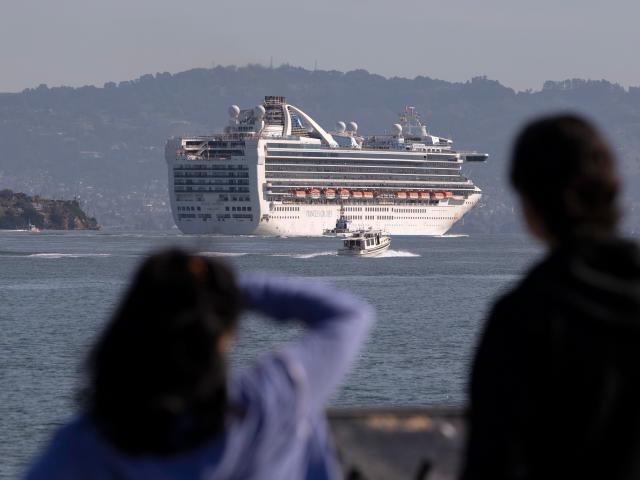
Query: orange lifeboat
(314, 193)
(356, 194)
(299, 193)
(424, 196)
(401, 195)
(367, 194)
(448, 194)
(438, 195)
(329, 193)
(344, 193)
(413, 195)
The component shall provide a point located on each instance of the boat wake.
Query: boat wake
(304, 255)
(289, 255)
(313, 255)
(396, 254)
(67, 255)
(453, 235)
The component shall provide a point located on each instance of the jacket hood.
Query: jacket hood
(599, 278)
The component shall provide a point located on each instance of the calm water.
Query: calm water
(57, 290)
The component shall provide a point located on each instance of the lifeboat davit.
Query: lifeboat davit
(367, 194)
(314, 193)
(344, 194)
(401, 195)
(356, 194)
(329, 193)
(413, 195)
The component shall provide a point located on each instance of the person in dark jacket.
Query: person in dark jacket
(555, 385)
(162, 403)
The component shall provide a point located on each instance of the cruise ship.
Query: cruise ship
(275, 171)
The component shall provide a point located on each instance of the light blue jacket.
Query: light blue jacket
(283, 434)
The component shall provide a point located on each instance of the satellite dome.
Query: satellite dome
(353, 127)
(234, 111)
(396, 129)
(259, 111)
(341, 127)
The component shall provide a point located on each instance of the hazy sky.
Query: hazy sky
(521, 43)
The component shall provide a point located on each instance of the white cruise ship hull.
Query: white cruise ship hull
(313, 220)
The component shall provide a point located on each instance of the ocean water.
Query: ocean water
(431, 294)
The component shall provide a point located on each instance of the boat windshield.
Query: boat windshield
(351, 244)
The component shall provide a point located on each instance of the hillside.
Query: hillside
(18, 210)
(105, 145)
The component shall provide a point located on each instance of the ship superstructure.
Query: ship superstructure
(275, 171)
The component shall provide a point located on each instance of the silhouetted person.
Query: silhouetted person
(161, 402)
(555, 388)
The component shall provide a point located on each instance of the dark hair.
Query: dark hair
(565, 170)
(157, 379)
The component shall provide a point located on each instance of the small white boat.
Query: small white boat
(342, 226)
(365, 243)
(30, 228)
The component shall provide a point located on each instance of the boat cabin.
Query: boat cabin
(363, 241)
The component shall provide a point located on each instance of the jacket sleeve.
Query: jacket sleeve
(498, 400)
(336, 326)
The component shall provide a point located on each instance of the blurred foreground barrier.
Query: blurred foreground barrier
(398, 443)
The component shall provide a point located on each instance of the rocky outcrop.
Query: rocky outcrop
(18, 211)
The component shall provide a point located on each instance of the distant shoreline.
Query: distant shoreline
(21, 212)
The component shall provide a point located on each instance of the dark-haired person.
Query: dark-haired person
(555, 388)
(162, 404)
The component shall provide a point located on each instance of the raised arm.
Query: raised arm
(337, 326)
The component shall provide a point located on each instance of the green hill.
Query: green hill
(18, 210)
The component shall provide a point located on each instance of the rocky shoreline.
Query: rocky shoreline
(19, 211)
